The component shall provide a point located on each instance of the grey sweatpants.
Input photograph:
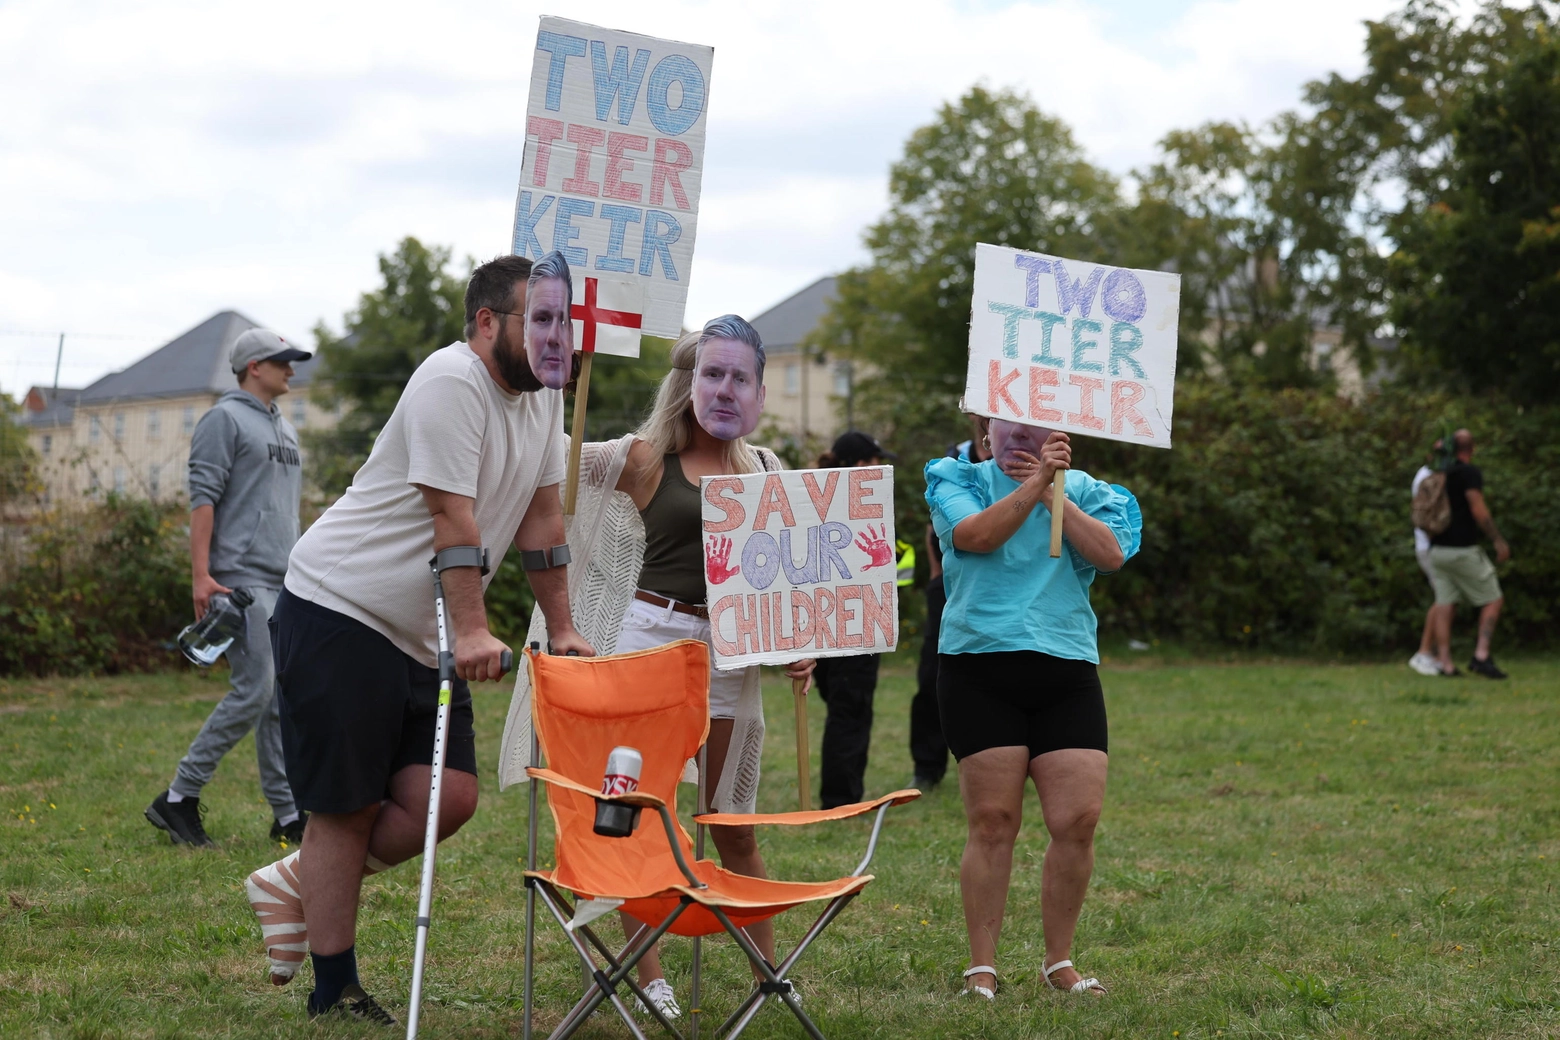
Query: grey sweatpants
(250, 704)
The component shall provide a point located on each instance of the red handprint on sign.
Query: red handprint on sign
(875, 545)
(717, 560)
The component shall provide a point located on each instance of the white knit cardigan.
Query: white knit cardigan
(607, 545)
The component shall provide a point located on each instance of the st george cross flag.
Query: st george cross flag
(608, 314)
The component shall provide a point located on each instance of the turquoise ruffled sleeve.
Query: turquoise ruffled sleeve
(954, 491)
(1115, 507)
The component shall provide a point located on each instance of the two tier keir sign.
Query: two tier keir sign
(1079, 347)
(614, 158)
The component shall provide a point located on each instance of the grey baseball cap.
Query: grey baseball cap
(263, 345)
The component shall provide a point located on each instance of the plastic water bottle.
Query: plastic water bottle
(208, 639)
(624, 765)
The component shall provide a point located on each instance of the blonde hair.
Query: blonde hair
(669, 427)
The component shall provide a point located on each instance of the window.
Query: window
(300, 412)
(793, 378)
(842, 381)
(119, 480)
(48, 443)
(189, 419)
(154, 479)
(119, 426)
(153, 424)
(93, 485)
(94, 429)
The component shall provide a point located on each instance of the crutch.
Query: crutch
(456, 556)
(530, 865)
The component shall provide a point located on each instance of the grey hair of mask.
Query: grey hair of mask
(551, 265)
(733, 327)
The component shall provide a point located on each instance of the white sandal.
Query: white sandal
(1081, 986)
(981, 969)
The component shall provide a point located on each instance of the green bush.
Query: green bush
(102, 589)
(1280, 518)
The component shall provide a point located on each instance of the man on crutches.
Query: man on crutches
(468, 463)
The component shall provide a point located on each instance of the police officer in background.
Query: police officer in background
(847, 684)
(928, 749)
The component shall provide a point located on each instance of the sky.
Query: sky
(161, 161)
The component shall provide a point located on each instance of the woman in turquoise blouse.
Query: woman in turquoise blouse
(1018, 688)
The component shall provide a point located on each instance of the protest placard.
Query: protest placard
(800, 564)
(1072, 346)
(613, 165)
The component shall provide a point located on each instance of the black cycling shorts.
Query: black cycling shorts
(355, 710)
(1015, 698)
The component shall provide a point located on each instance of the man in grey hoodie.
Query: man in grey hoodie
(246, 478)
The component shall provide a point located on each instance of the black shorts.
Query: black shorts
(355, 709)
(1019, 697)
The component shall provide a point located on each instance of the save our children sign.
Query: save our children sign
(1083, 348)
(613, 165)
(800, 564)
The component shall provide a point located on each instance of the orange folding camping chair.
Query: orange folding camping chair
(657, 701)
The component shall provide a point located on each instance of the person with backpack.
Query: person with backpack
(1459, 567)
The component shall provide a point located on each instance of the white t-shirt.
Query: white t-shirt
(453, 429)
(1421, 540)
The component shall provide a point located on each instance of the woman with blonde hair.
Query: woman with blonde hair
(637, 575)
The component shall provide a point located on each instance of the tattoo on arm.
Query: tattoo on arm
(1487, 524)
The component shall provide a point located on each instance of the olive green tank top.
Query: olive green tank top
(674, 538)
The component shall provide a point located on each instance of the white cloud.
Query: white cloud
(161, 160)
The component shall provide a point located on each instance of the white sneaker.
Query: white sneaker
(1424, 664)
(660, 993)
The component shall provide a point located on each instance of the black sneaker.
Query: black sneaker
(1487, 668)
(291, 833)
(180, 819)
(923, 783)
(354, 1003)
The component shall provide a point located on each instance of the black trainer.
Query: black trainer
(354, 1003)
(180, 819)
(1487, 668)
(291, 833)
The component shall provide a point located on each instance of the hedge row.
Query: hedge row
(96, 590)
(1280, 519)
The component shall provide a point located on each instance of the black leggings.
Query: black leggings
(1019, 697)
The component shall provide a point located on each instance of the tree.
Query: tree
(990, 168)
(1445, 151)
(1477, 274)
(18, 481)
(419, 308)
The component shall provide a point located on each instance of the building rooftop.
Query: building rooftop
(788, 322)
(195, 362)
(46, 406)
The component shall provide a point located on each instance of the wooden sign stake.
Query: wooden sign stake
(803, 784)
(1058, 505)
(577, 438)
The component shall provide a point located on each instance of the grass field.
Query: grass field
(1288, 849)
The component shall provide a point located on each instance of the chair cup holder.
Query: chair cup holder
(615, 820)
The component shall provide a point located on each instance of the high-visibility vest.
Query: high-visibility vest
(905, 568)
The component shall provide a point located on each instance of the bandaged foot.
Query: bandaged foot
(277, 900)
